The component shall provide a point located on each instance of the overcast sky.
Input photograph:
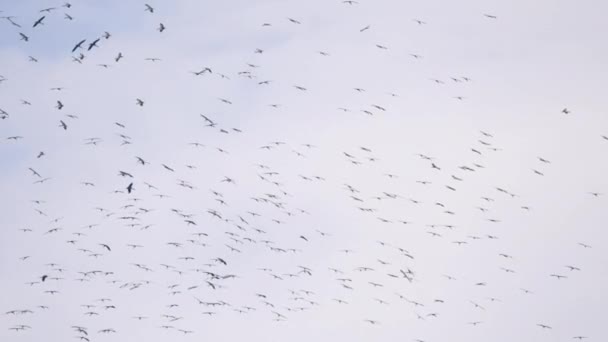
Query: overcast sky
(356, 93)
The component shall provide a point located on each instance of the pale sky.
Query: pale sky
(319, 123)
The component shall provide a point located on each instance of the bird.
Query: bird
(93, 44)
(39, 21)
(11, 21)
(544, 160)
(78, 45)
(558, 276)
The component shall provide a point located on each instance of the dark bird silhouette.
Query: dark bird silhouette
(93, 44)
(39, 21)
(78, 45)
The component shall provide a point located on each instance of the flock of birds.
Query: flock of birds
(168, 248)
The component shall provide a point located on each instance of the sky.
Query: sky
(333, 129)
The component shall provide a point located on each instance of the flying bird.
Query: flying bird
(93, 44)
(78, 45)
(39, 21)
